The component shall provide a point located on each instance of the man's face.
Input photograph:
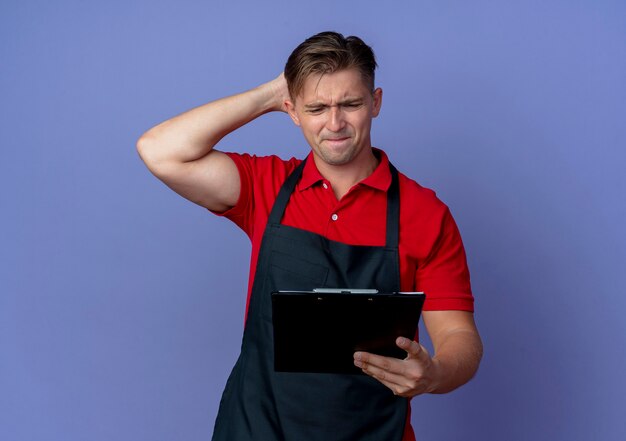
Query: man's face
(335, 114)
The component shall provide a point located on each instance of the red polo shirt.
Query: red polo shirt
(432, 258)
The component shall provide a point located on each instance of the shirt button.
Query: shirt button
(325, 185)
(334, 217)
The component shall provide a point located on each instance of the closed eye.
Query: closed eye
(352, 106)
(315, 110)
(348, 105)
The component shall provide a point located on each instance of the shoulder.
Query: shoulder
(269, 170)
(425, 221)
(261, 178)
(415, 199)
(418, 201)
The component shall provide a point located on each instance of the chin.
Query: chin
(337, 159)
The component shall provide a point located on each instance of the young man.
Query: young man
(344, 218)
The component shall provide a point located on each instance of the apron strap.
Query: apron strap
(278, 209)
(393, 209)
(393, 203)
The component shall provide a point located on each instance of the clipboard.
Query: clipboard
(319, 331)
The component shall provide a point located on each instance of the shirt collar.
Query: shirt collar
(380, 179)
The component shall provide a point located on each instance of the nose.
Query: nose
(335, 119)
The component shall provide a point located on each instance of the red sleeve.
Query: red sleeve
(242, 213)
(261, 178)
(443, 275)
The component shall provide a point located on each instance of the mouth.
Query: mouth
(336, 140)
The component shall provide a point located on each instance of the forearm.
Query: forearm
(456, 360)
(193, 134)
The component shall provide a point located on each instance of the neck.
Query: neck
(344, 177)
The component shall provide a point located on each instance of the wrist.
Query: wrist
(275, 93)
(437, 376)
(265, 98)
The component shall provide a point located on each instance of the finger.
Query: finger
(387, 364)
(405, 381)
(413, 348)
(390, 379)
(394, 388)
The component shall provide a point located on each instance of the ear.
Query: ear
(378, 102)
(291, 110)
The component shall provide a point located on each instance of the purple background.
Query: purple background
(121, 304)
